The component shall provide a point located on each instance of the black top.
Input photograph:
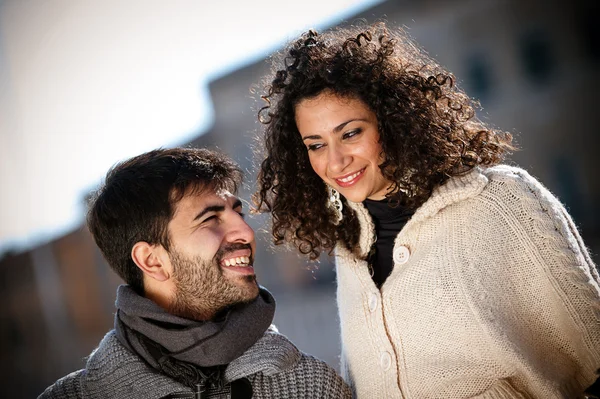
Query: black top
(388, 222)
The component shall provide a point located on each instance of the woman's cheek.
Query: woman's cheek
(317, 166)
(322, 172)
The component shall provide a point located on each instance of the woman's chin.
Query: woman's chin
(354, 196)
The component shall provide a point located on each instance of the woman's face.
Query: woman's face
(342, 140)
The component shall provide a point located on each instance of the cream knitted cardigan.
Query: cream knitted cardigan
(493, 295)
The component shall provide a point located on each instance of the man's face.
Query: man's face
(211, 254)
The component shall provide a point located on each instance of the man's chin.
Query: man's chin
(248, 294)
(252, 287)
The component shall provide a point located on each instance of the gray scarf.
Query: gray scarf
(163, 339)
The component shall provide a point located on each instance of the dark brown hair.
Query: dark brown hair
(427, 127)
(139, 196)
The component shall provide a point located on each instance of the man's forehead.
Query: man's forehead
(195, 200)
(226, 195)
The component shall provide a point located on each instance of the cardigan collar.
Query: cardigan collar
(455, 189)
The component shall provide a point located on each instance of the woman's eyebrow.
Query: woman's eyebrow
(313, 137)
(339, 127)
(336, 129)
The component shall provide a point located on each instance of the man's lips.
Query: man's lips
(349, 179)
(240, 269)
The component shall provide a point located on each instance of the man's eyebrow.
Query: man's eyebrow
(211, 208)
(336, 129)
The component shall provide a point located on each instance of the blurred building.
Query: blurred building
(533, 65)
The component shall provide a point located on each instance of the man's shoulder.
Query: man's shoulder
(271, 354)
(111, 355)
(68, 387)
(309, 377)
(275, 364)
(110, 352)
(112, 370)
(98, 363)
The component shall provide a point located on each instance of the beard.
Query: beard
(202, 290)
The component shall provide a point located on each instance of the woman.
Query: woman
(457, 276)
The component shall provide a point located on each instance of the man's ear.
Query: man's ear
(151, 260)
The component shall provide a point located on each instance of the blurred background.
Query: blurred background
(84, 85)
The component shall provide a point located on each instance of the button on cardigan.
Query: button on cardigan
(493, 295)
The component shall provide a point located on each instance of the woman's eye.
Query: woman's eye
(314, 147)
(351, 133)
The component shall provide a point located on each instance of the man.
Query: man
(192, 322)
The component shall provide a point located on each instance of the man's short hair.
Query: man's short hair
(138, 199)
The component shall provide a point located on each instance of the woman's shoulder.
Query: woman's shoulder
(510, 174)
(517, 202)
(501, 194)
(512, 186)
(501, 174)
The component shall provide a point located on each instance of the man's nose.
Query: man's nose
(239, 230)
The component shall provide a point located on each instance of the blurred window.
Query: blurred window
(589, 28)
(479, 76)
(536, 56)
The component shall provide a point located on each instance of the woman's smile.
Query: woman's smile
(342, 139)
(349, 179)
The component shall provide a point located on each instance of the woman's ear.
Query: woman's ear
(151, 260)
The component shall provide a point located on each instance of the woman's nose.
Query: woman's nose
(338, 159)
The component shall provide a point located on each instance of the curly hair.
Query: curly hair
(427, 126)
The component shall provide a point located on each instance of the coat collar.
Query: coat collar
(271, 354)
(455, 189)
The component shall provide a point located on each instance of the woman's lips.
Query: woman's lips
(350, 179)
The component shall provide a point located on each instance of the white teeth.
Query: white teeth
(349, 178)
(239, 261)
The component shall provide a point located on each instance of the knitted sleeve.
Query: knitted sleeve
(536, 289)
(68, 387)
(309, 378)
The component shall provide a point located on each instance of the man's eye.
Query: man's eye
(209, 219)
(239, 211)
